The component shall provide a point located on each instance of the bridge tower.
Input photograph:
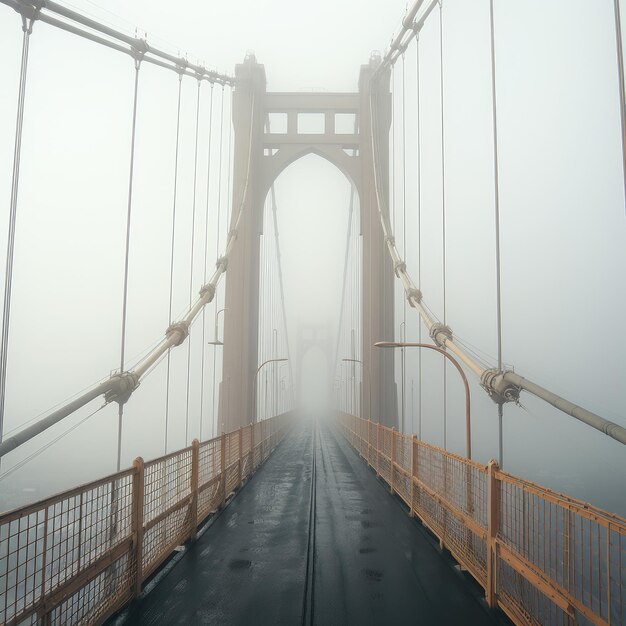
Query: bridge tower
(259, 157)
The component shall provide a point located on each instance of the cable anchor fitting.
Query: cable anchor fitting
(122, 387)
(222, 263)
(181, 329)
(498, 388)
(438, 329)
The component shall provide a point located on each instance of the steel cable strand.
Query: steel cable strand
(172, 250)
(191, 253)
(27, 28)
(217, 251)
(206, 259)
(121, 401)
(443, 221)
(112, 38)
(281, 283)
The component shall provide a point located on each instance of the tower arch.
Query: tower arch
(261, 154)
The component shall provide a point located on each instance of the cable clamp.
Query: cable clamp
(122, 387)
(208, 292)
(390, 240)
(222, 263)
(498, 388)
(29, 12)
(232, 234)
(440, 329)
(181, 328)
(414, 294)
(399, 266)
(181, 66)
(139, 48)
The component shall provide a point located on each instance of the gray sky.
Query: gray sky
(563, 224)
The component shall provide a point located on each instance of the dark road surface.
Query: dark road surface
(372, 565)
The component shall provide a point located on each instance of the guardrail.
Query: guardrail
(80, 556)
(542, 557)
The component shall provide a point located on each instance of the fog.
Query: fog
(562, 219)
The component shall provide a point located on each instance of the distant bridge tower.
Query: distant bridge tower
(259, 158)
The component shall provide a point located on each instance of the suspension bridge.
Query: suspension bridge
(280, 517)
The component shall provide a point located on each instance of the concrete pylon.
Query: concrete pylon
(268, 154)
(236, 405)
(378, 285)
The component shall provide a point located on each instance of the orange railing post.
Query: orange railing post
(137, 522)
(413, 472)
(393, 457)
(493, 524)
(223, 466)
(240, 455)
(252, 466)
(377, 449)
(193, 503)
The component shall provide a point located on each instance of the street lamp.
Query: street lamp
(468, 423)
(255, 379)
(369, 386)
(216, 341)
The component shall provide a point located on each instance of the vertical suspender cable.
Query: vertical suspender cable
(171, 299)
(404, 301)
(496, 191)
(217, 246)
(127, 254)
(27, 29)
(393, 198)
(345, 276)
(443, 218)
(419, 230)
(622, 87)
(191, 253)
(206, 258)
(280, 280)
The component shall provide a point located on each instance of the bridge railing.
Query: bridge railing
(542, 557)
(80, 556)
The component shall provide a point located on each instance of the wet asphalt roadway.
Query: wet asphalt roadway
(373, 564)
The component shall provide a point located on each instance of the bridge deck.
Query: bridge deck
(373, 564)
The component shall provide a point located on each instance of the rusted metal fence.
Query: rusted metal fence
(78, 557)
(542, 557)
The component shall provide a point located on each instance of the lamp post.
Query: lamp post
(216, 341)
(468, 423)
(256, 375)
(369, 386)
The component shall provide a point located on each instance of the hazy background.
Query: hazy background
(563, 223)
